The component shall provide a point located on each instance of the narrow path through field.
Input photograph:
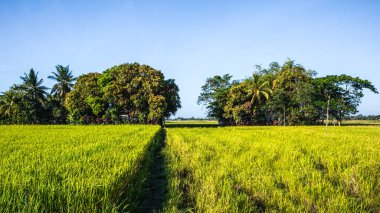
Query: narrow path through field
(155, 195)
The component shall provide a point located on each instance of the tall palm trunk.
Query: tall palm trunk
(327, 113)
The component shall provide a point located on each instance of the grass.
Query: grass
(74, 168)
(233, 169)
(249, 169)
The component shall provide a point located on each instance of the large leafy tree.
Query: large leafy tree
(214, 97)
(171, 93)
(65, 81)
(340, 95)
(85, 103)
(130, 93)
(55, 111)
(139, 93)
(238, 107)
(293, 92)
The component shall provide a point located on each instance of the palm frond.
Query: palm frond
(266, 95)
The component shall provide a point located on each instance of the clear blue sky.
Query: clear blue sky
(191, 40)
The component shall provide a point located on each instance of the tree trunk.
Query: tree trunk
(327, 113)
(284, 117)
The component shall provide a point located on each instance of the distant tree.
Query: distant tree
(238, 107)
(128, 93)
(138, 92)
(246, 99)
(12, 108)
(296, 96)
(34, 95)
(173, 102)
(55, 105)
(268, 74)
(363, 117)
(55, 112)
(341, 95)
(293, 93)
(258, 90)
(214, 97)
(65, 81)
(8, 103)
(85, 102)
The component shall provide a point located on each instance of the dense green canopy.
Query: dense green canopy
(287, 95)
(128, 93)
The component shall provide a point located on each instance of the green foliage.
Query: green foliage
(294, 95)
(55, 111)
(13, 107)
(128, 93)
(85, 99)
(238, 107)
(273, 169)
(344, 93)
(287, 94)
(96, 104)
(33, 97)
(171, 93)
(64, 78)
(214, 97)
(246, 99)
(136, 91)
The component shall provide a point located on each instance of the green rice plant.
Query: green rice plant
(74, 168)
(265, 169)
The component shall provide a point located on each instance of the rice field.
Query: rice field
(257, 169)
(74, 168)
(232, 169)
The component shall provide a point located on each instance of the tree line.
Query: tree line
(127, 93)
(364, 117)
(287, 94)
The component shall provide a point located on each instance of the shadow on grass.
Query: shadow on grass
(155, 188)
(145, 190)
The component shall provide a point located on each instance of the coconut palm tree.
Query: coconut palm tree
(65, 79)
(258, 90)
(32, 87)
(8, 103)
(34, 94)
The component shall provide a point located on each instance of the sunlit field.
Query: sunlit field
(73, 168)
(248, 169)
(231, 169)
